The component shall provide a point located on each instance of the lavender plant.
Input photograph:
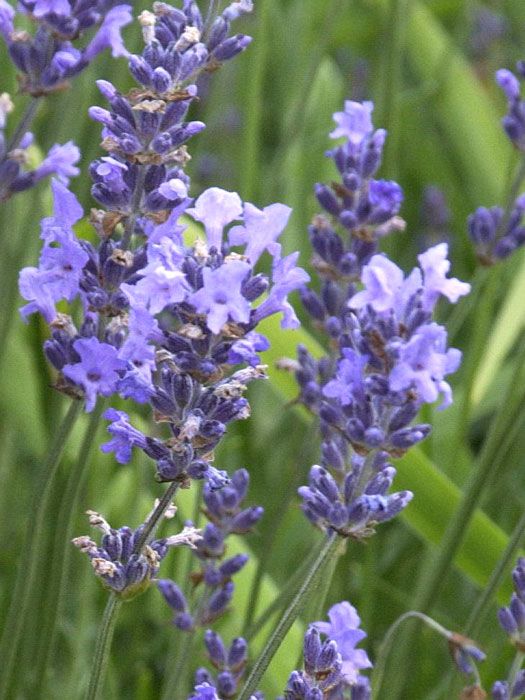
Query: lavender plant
(388, 356)
(150, 311)
(155, 319)
(47, 60)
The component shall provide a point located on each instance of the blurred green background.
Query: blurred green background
(429, 68)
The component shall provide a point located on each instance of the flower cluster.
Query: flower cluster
(155, 317)
(495, 232)
(226, 516)
(60, 161)
(500, 689)
(123, 562)
(230, 664)
(53, 55)
(388, 357)
(512, 618)
(332, 665)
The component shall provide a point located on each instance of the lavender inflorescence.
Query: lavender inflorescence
(332, 666)
(60, 161)
(53, 55)
(121, 562)
(496, 231)
(212, 585)
(388, 356)
(161, 321)
(230, 664)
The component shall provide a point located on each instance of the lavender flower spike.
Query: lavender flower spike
(121, 567)
(343, 628)
(333, 665)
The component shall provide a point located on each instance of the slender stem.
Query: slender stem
(27, 587)
(59, 579)
(479, 611)
(171, 675)
(176, 689)
(281, 509)
(129, 226)
(392, 87)
(329, 548)
(514, 670)
(24, 124)
(155, 518)
(284, 598)
(386, 645)
(104, 639)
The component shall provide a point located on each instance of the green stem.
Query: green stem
(24, 124)
(104, 639)
(286, 593)
(294, 480)
(171, 674)
(483, 604)
(129, 226)
(392, 88)
(386, 645)
(59, 578)
(477, 616)
(176, 689)
(311, 583)
(514, 670)
(29, 579)
(154, 519)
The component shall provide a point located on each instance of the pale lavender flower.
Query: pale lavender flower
(220, 296)
(343, 628)
(97, 371)
(423, 363)
(355, 123)
(262, 228)
(216, 208)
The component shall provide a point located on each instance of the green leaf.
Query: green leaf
(507, 327)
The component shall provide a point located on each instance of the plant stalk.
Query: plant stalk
(104, 639)
(329, 548)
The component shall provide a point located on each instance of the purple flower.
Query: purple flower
(286, 278)
(343, 628)
(162, 281)
(60, 161)
(262, 228)
(57, 276)
(347, 386)
(509, 84)
(220, 297)
(204, 691)
(246, 349)
(6, 19)
(435, 266)
(355, 123)
(423, 363)
(66, 207)
(97, 371)
(383, 280)
(111, 171)
(125, 436)
(216, 208)
(108, 35)
(56, 7)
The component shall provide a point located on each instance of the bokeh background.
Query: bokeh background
(429, 67)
